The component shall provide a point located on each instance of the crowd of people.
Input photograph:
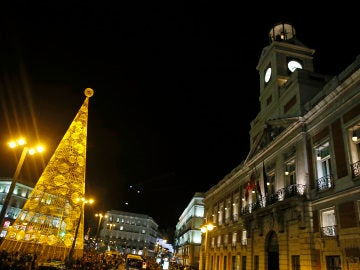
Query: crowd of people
(89, 261)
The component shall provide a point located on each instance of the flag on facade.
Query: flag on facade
(250, 186)
(247, 191)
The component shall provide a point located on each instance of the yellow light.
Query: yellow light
(354, 136)
(12, 144)
(207, 227)
(210, 227)
(40, 149)
(21, 141)
(90, 201)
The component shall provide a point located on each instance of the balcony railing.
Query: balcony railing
(325, 182)
(329, 231)
(355, 169)
(280, 195)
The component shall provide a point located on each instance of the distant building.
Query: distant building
(20, 195)
(188, 234)
(128, 232)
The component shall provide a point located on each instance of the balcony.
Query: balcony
(324, 183)
(355, 169)
(288, 192)
(329, 231)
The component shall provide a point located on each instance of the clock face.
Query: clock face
(267, 74)
(293, 64)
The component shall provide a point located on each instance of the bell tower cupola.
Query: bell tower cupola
(287, 82)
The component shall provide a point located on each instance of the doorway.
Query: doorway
(272, 250)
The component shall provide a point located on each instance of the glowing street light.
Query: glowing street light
(100, 216)
(84, 201)
(111, 225)
(205, 229)
(13, 144)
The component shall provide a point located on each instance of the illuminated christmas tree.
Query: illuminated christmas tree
(51, 223)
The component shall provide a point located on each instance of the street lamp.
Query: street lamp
(84, 201)
(13, 144)
(100, 216)
(109, 235)
(205, 229)
(111, 225)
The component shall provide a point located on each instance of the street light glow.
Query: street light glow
(25, 150)
(207, 227)
(22, 142)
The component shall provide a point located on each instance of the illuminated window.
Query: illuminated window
(323, 166)
(328, 222)
(290, 174)
(226, 239)
(218, 241)
(233, 239)
(244, 238)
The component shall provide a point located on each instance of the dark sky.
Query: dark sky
(175, 85)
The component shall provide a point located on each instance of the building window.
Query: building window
(295, 262)
(218, 242)
(328, 222)
(220, 214)
(214, 217)
(233, 240)
(323, 166)
(226, 239)
(233, 263)
(355, 150)
(290, 174)
(227, 211)
(333, 263)
(235, 208)
(213, 242)
(244, 238)
(243, 263)
(271, 182)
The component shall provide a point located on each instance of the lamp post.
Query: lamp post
(100, 216)
(205, 229)
(31, 151)
(109, 235)
(71, 253)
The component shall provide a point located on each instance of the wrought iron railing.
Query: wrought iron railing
(355, 169)
(329, 231)
(325, 182)
(295, 190)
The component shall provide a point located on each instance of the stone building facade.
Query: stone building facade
(294, 202)
(188, 234)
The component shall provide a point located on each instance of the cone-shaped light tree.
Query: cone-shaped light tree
(47, 224)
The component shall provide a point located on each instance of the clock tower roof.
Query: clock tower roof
(284, 32)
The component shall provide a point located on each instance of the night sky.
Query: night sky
(175, 88)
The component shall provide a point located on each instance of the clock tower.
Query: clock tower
(287, 82)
